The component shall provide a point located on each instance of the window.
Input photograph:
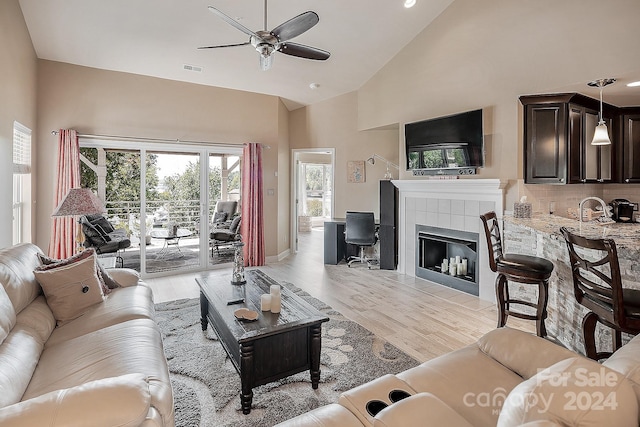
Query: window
(21, 183)
(316, 201)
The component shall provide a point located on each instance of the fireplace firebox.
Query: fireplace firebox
(435, 244)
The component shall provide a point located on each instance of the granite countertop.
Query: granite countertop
(626, 235)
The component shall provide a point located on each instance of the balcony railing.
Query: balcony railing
(184, 213)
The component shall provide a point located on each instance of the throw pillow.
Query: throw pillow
(104, 224)
(106, 281)
(235, 224)
(219, 217)
(70, 288)
(92, 232)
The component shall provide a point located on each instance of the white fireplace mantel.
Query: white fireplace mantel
(447, 203)
(447, 186)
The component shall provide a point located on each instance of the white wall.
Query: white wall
(17, 101)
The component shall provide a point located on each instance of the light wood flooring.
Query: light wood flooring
(422, 318)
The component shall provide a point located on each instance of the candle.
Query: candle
(457, 259)
(275, 289)
(464, 266)
(444, 267)
(265, 302)
(276, 303)
(453, 269)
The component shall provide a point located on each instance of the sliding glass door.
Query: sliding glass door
(165, 204)
(172, 211)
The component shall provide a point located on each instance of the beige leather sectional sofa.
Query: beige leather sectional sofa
(507, 378)
(104, 368)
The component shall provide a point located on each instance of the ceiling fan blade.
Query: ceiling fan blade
(302, 51)
(295, 26)
(224, 45)
(229, 20)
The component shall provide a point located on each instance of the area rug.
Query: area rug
(188, 256)
(206, 386)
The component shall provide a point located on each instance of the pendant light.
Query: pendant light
(601, 135)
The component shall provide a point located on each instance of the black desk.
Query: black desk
(335, 248)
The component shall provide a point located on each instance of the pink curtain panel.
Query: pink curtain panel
(252, 228)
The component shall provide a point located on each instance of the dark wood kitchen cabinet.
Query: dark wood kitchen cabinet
(631, 143)
(558, 130)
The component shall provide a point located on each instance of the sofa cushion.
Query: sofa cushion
(84, 405)
(575, 391)
(123, 304)
(522, 352)
(7, 315)
(473, 384)
(70, 289)
(627, 362)
(16, 274)
(19, 355)
(38, 318)
(332, 415)
(129, 347)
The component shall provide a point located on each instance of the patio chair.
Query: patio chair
(224, 214)
(225, 236)
(100, 235)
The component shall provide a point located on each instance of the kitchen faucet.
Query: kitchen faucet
(605, 208)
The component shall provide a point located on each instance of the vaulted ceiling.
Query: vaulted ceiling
(159, 37)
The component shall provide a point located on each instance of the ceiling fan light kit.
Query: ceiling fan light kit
(266, 43)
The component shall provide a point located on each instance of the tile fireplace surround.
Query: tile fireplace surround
(449, 203)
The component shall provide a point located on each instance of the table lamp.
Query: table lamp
(78, 202)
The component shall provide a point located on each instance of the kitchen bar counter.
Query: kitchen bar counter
(626, 235)
(540, 236)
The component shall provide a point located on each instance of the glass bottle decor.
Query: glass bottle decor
(237, 278)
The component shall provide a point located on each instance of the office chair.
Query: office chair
(360, 230)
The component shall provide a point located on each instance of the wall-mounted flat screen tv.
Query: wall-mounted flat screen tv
(451, 142)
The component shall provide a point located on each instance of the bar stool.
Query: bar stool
(597, 285)
(516, 268)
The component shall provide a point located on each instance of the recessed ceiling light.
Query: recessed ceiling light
(314, 86)
(409, 3)
(634, 84)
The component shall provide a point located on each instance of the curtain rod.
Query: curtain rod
(156, 140)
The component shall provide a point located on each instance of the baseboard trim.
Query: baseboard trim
(277, 258)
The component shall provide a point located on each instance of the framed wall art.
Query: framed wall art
(355, 171)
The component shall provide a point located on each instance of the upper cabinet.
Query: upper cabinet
(558, 130)
(631, 143)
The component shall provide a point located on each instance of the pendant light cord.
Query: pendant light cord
(601, 114)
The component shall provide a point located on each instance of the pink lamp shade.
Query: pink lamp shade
(79, 201)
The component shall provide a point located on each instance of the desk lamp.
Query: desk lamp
(387, 175)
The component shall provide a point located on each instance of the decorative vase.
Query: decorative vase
(237, 278)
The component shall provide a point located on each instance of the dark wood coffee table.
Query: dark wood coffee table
(270, 348)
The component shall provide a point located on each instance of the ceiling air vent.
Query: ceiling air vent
(195, 68)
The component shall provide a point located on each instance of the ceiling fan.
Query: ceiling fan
(277, 40)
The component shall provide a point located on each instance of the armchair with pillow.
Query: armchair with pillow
(225, 236)
(100, 235)
(223, 214)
